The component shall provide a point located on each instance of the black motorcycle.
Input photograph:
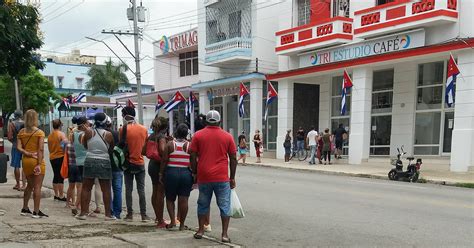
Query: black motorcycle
(413, 170)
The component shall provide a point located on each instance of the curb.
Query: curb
(339, 173)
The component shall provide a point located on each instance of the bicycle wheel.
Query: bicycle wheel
(303, 155)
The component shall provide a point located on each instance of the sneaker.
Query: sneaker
(128, 218)
(145, 218)
(207, 228)
(81, 217)
(111, 218)
(41, 214)
(34, 215)
(56, 198)
(25, 212)
(62, 199)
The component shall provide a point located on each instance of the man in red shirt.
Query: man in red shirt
(216, 151)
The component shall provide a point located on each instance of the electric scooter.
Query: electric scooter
(413, 170)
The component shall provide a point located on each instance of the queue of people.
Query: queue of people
(321, 145)
(177, 165)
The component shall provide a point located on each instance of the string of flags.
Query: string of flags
(68, 100)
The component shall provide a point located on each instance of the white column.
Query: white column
(204, 104)
(256, 88)
(324, 102)
(285, 114)
(462, 147)
(403, 108)
(360, 115)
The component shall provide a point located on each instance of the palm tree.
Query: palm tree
(107, 78)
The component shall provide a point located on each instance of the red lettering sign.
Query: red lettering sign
(184, 40)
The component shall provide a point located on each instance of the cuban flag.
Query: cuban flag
(159, 103)
(346, 84)
(78, 98)
(453, 72)
(243, 93)
(271, 95)
(190, 104)
(175, 101)
(130, 104)
(67, 102)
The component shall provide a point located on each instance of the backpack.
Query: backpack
(120, 153)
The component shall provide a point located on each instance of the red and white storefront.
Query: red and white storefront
(396, 53)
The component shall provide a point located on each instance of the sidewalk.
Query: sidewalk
(431, 173)
(61, 229)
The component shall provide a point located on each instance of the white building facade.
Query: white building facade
(396, 53)
(236, 45)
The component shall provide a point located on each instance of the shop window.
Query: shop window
(427, 133)
(430, 86)
(188, 64)
(270, 127)
(50, 78)
(381, 129)
(304, 12)
(336, 117)
(382, 91)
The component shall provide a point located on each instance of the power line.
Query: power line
(64, 12)
(60, 7)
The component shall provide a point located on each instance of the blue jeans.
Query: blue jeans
(16, 158)
(300, 146)
(222, 192)
(117, 183)
(313, 153)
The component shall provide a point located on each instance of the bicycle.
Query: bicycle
(302, 155)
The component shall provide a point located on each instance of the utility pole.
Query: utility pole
(17, 95)
(136, 32)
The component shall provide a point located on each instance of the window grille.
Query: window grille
(304, 12)
(340, 8)
(228, 19)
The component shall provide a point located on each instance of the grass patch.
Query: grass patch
(465, 185)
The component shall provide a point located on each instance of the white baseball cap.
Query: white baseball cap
(213, 117)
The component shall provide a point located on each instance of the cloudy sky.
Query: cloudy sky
(66, 23)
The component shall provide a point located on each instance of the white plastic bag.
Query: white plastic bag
(236, 210)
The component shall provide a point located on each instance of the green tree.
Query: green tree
(7, 94)
(19, 38)
(36, 91)
(107, 78)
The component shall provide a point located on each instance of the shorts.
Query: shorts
(287, 150)
(178, 182)
(242, 151)
(222, 192)
(97, 168)
(75, 174)
(154, 171)
(16, 158)
(339, 144)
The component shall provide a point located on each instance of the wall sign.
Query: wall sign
(220, 92)
(387, 44)
(179, 41)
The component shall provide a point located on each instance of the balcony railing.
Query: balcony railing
(332, 31)
(229, 50)
(403, 15)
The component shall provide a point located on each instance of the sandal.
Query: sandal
(16, 188)
(185, 228)
(197, 236)
(162, 225)
(225, 240)
(92, 214)
(170, 227)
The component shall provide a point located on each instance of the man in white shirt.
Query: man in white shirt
(312, 139)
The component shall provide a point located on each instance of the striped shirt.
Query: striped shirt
(179, 157)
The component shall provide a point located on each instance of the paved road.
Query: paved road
(296, 209)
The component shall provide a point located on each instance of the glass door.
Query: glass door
(448, 131)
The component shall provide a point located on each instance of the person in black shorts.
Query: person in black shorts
(340, 134)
